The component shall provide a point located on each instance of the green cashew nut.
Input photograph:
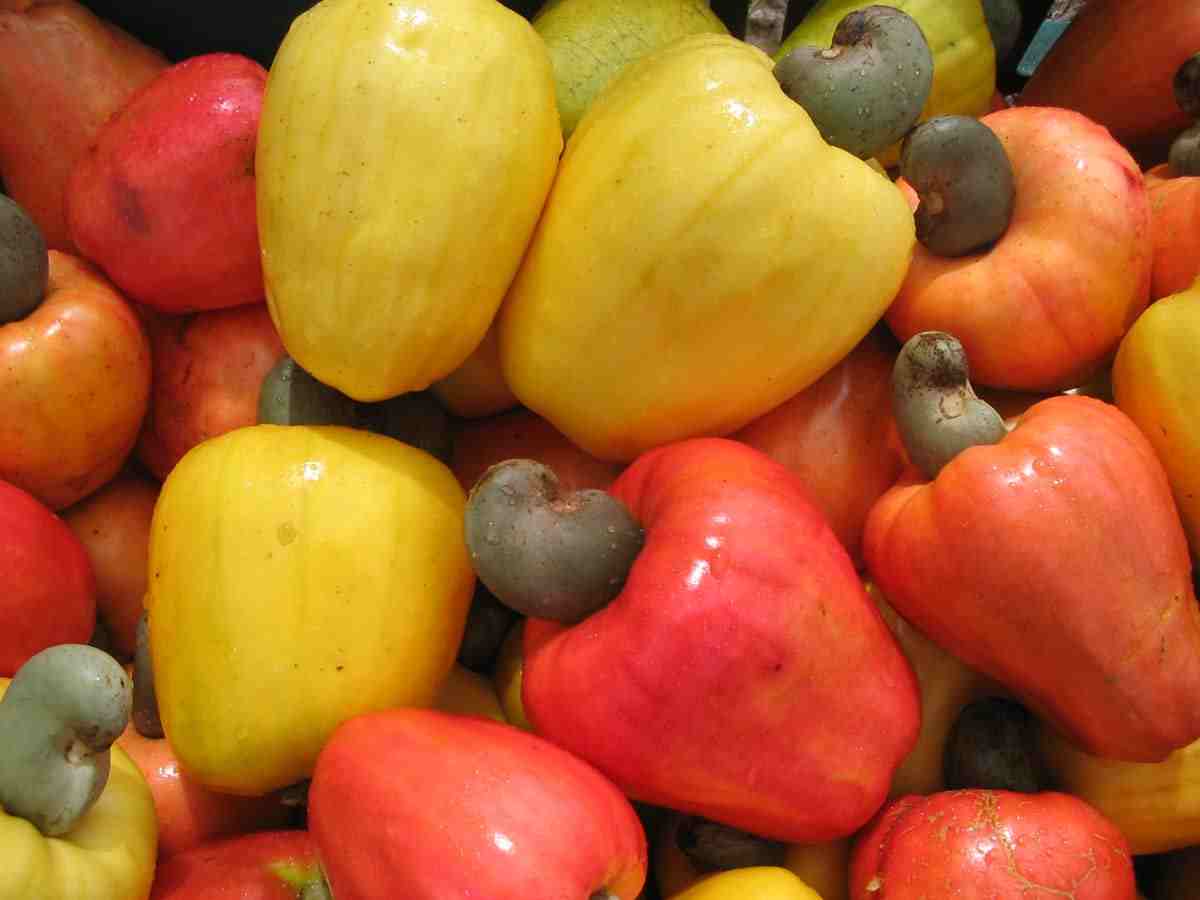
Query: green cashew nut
(24, 263)
(544, 554)
(937, 413)
(868, 89)
(965, 180)
(64, 708)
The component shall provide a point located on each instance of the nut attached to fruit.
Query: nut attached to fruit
(545, 554)
(965, 181)
(937, 411)
(866, 91)
(62, 712)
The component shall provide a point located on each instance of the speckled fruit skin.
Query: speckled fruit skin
(386, 257)
(299, 575)
(991, 845)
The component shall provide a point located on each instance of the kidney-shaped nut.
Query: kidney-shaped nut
(545, 554)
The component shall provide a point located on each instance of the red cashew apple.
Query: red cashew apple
(208, 369)
(48, 593)
(164, 199)
(839, 437)
(63, 72)
(114, 526)
(1045, 306)
(74, 384)
(1175, 229)
(422, 804)
(267, 865)
(1115, 64)
(523, 434)
(189, 814)
(742, 673)
(1056, 563)
(991, 845)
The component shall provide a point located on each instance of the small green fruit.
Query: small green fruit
(590, 41)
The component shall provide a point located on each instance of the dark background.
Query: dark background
(182, 28)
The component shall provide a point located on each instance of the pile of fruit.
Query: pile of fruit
(599, 452)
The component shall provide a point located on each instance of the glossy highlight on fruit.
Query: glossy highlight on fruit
(659, 328)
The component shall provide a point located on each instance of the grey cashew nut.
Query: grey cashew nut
(966, 183)
(62, 712)
(868, 89)
(545, 553)
(937, 413)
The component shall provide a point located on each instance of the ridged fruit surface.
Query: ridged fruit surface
(404, 154)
